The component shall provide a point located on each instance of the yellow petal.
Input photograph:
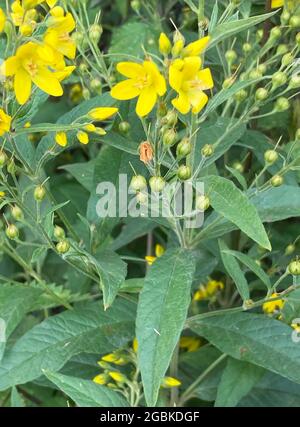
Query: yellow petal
(164, 44)
(159, 250)
(198, 102)
(182, 103)
(10, 66)
(46, 81)
(197, 47)
(65, 73)
(83, 137)
(146, 102)
(175, 78)
(206, 79)
(2, 20)
(102, 113)
(125, 90)
(130, 69)
(51, 3)
(22, 86)
(158, 80)
(191, 67)
(277, 3)
(61, 139)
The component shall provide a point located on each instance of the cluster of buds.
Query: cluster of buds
(63, 245)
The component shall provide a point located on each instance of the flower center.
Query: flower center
(31, 67)
(143, 81)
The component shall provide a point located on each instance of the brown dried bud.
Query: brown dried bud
(146, 152)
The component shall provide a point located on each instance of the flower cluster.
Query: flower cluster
(209, 290)
(185, 74)
(42, 60)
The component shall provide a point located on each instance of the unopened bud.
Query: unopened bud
(170, 118)
(247, 47)
(241, 95)
(207, 150)
(59, 233)
(3, 159)
(282, 104)
(96, 86)
(138, 183)
(276, 181)
(261, 94)
(95, 33)
(169, 137)
(287, 59)
(202, 203)
(285, 17)
(295, 21)
(297, 135)
(271, 156)
(184, 172)
(279, 79)
(124, 127)
(17, 213)
(157, 183)
(294, 268)
(39, 193)
(231, 56)
(290, 249)
(282, 49)
(135, 5)
(63, 247)
(294, 82)
(238, 167)
(184, 147)
(12, 232)
(275, 33)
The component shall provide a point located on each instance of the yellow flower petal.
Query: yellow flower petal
(46, 81)
(22, 86)
(83, 137)
(165, 45)
(197, 47)
(2, 20)
(51, 3)
(191, 67)
(10, 66)
(102, 113)
(159, 250)
(206, 77)
(125, 90)
(175, 78)
(182, 103)
(198, 101)
(169, 382)
(61, 139)
(146, 102)
(277, 3)
(130, 69)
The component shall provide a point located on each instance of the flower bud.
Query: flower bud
(184, 172)
(165, 45)
(135, 5)
(261, 94)
(276, 181)
(83, 68)
(262, 68)
(169, 137)
(86, 93)
(290, 249)
(285, 17)
(294, 268)
(227, 83)
(17, 213)
(170, 118)
(157, 183)
(207, 150)
(297, 135)
(178, 47)
(255, 74)
(294, 82)
(282, 49)
(63, 247)
(202, 203)
(184, 148)
(39, 193)
(271, 156)
(231, 56)
(96, 86)
(295, 21)
(287, 59)
(275, 33)
(247, 47)
(278, 79)
(59, 233)
(78, 38)
(3, 158)
(12, 232)
(11, 167)
(141, 197)
(238, 167)
(298, 39)
(95, 33)
(124, 127)
(282, 104)
(138, 183)
(241, 95)
(259, 35)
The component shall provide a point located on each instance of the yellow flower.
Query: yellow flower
(117, 376)
(209, 290)
(159, 251)
(273, 306)
(102, 113)
(196, 48)
(170, 382)
(144, 81)
(23, 17)
(189, 81)
(135, 345)
(189, 343)
(27, 67)
(200, 294)
(2, 20)
(27, 125)
(101, 379)
(58, 35)
(5, 122)
(277, 3)
(61, 139)
(2, 194)
(83, 137)
(165, 45)
(117, 359)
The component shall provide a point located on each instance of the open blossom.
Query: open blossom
(144, 81)
(28, 67)
(5, 122)
(58, 38)
(189, 81)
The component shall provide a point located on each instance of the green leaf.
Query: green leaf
(230, 202)
(234, 271)
(237, 380)
(53, 342)
(86, 393)
(133, 229)
(228, 29)
(15, 302)
(162, 311)
(253, 266)
(83, 173)
(253, 338)
(16, 400)
(112, 271)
